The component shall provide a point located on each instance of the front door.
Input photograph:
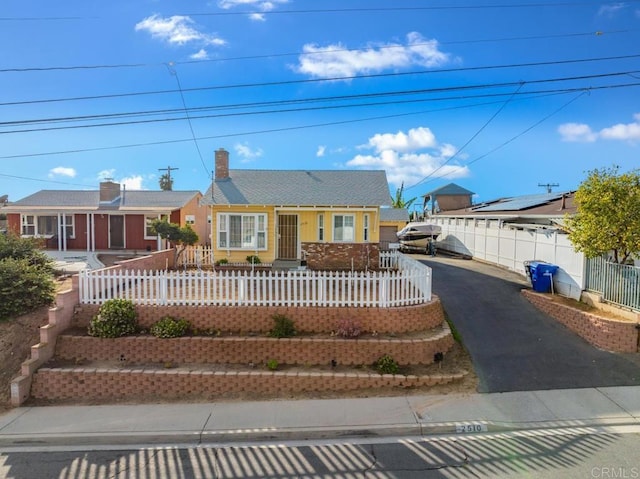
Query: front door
(287, 237)
(116, 231)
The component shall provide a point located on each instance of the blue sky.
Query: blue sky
(497, 97)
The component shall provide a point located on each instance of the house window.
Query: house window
(46, 225)
(148, 229)
(242, 231)
(321, 227)
(28, 225)
(190, 219)
(343, 229)
(366, 228)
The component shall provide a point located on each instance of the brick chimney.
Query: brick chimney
(222, 164)
(109, 191)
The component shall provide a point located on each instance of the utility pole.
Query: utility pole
(169, 169)
(548, 186)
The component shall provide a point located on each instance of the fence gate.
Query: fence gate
(617, 283)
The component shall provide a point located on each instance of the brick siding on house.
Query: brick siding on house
(60, 384)
(245, 350)
(341, 256)
(609, 334)
(258, 319)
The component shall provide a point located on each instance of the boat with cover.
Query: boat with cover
(418, 236)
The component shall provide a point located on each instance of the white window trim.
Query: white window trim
(366, 230)
(333, 228)
(149, 218)
(321, 228)
(259, 218)
(59, 219)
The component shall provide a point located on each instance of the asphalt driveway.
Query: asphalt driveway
(514, 346)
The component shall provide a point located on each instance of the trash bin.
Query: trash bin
(541, 275)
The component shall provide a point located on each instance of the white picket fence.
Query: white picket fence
(408, 285)
(196, 256)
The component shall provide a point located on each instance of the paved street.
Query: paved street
(550, 453)
(514, 346)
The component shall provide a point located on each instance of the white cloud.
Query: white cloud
(622, 131)
(584, 133)
(611, 9)
(417, 138)
(202, 54)
(62, 171)
(336, 61)
(176, 30)
(321, 151)
(578, 132)
(246, 154)
(262, 5)
(132, 182)
(400, 156)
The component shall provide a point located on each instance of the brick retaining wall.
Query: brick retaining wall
(244, 350)
(609, 334)
(60, 384)
(308, 319)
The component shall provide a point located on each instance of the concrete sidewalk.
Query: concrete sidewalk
(422, 415)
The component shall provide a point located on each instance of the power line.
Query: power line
(299, 53)
(396, 9)
(298, 110)
(512, 139)
(265, 104)
(318, 80)
(254, 132)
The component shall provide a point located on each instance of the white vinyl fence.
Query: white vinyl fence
(408, 285)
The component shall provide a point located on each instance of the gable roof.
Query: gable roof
(449, 190)
(301, 188)
(90, 200)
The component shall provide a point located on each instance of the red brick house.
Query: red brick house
(110, 218)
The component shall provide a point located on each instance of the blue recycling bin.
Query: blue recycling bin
(541, 274)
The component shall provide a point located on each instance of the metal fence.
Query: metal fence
(617, 283)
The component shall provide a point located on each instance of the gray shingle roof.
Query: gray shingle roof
(394, 214)
(302, 188)
(91, 199)
(450, 189)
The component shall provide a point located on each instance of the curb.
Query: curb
(196, 438)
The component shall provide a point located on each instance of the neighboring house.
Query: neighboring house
(510, 231)
(328, 218)
(392, 220)
(108, 218)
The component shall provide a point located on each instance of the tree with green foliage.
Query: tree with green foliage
(608, 215)
(399, 202)
(181, 237)
(26, 276)
(166, 182)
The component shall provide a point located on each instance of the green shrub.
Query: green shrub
(283, 327)
(386, 365)
(253, 259)
(26, 276)
(222, 261)
(169, 327)
(272, 364)
(24, 286)
(116, 317)
(348, 328)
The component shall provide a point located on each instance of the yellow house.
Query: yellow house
(328, 219)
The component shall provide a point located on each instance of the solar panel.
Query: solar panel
(521, 202)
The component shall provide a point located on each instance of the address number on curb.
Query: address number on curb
(470, 428)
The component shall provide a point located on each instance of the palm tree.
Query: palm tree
(399, 202)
